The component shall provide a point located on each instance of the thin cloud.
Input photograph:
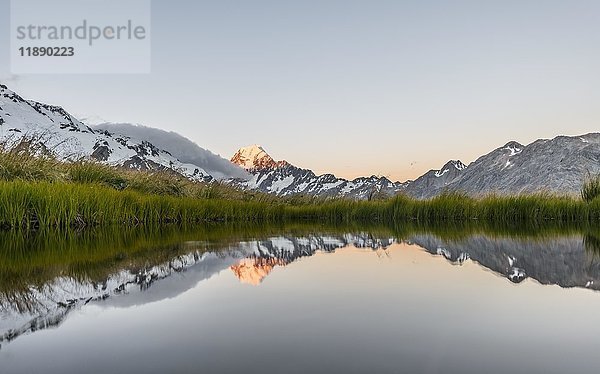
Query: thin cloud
(180, 147)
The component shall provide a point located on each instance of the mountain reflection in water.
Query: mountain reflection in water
(34, 296)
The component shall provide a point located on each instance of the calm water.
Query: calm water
(299, 301)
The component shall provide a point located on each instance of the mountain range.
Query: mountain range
(558, 165)
(284, 179)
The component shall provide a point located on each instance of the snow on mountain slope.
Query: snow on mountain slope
(180, 147)
(284, 179)
(64, 136)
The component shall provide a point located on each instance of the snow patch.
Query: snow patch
(283, 244)
(328, 186)
(459, 165)
(440, 173)
(282, 184)
(444, 252)
(513, 150)
(511, 261)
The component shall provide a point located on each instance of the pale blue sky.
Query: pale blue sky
(352, 87)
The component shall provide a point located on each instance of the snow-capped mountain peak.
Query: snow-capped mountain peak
(68, 139)
(513, 147)
(450, 165)
(254, 157)
(254, 151)
(436, 179)
(458, 164)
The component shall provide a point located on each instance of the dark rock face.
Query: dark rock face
(557, 166)
(435, 180)
(101, 151)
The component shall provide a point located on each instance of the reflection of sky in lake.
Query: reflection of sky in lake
(351, 311)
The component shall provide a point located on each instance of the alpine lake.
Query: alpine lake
(300, 298)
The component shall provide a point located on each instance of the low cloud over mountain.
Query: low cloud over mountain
(180, 147)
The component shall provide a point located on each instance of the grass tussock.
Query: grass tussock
(25, 204)
(498, 209)
(20, 162)
(90, 172)
(591, 188)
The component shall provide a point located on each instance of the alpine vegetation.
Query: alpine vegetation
(591, 188)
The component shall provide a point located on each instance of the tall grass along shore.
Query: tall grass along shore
(42, 192)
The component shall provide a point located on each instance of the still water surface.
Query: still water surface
(301, 302)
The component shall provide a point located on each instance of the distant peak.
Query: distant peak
(252, 151)
(513, 144)
(513, 147)
(253, 271)
(456, 164)
(253, 157)
(452, 164)
(252, 148)
(5, 90)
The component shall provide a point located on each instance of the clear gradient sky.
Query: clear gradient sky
(351, 87)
